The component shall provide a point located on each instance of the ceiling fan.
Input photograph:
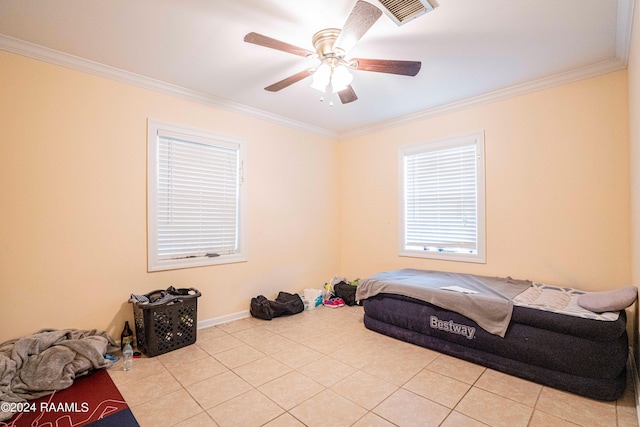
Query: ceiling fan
(332, 74)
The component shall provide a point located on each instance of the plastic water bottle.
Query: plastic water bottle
(127, 357)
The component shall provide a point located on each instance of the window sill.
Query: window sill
(477, 258)
(195, 262)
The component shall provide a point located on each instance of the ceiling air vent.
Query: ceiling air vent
(403, 11)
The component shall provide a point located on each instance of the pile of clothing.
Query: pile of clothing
(49, 360)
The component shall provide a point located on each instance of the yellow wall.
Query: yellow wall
(557, 187)
(73, 236)
(73, 202)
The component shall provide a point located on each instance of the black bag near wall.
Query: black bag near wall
(285, 304)
(345, 291)
(260, 308)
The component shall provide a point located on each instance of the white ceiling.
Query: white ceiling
(471, 51)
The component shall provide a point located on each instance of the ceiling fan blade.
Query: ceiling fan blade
(403, 68)
(288, 81)
(362, 17)
(265, 41)
(347, 95)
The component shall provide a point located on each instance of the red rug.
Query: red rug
(92, 400)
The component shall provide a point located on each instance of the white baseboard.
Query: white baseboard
(223, 319)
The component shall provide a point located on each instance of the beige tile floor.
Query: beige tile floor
(324, 368)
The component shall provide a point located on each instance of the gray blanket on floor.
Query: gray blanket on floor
(49, 360)
(490, 305)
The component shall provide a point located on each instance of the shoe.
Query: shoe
(334, 302)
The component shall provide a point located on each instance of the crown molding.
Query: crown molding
(495, 96)
(624, 26)
(55, 57)
(623, 40)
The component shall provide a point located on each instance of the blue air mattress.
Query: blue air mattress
(580, 355)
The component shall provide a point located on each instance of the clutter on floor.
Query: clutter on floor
(340, 287)
(47, 361)
(338, 292)
(285, 304)
(313, 298)
(165, 320)
(334, 302)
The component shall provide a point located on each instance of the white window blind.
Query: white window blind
(195, 200)
(442, 212)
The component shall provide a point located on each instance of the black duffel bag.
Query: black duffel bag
(285, 304)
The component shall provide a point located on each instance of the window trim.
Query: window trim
(434, 145)
(154, 128)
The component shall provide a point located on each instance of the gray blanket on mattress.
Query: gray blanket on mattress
(49, 360)
(490, 306)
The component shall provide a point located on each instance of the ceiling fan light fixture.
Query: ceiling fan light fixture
(331, 79)
(321, 77)
(341, 78)
(331, 69)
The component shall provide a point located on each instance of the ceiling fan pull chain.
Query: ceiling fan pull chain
(330, 99)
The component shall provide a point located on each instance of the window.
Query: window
(195, 198)
(442, 199)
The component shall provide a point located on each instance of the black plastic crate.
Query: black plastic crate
(167, 324)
